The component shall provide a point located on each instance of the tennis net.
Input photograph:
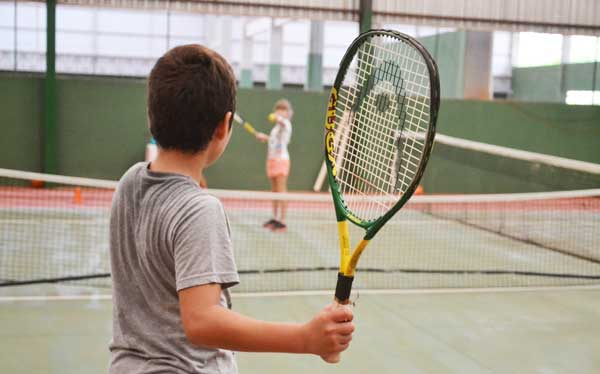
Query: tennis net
(55, 229)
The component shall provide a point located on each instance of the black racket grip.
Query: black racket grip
(343, 288)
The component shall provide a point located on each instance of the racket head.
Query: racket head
(380, 126)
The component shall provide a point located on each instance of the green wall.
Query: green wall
(21, 100)
(102, 131)
(453, 170)
(448, 50)
(101, 126)
(571, 131)
(550, 83)
(555, 129)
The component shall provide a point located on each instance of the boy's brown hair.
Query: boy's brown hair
(190, 89)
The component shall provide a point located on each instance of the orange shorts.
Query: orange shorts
(278, 167)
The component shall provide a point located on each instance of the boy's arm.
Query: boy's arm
(207, 323)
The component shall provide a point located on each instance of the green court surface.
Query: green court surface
(440, 287)
(543, 331)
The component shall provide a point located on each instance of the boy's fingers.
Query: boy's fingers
(339, 347)
(343, 314)
(345, 339)
(344, 328)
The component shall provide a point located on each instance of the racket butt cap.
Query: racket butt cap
(343, 288)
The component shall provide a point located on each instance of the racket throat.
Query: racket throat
(344, 235)
(344, 282)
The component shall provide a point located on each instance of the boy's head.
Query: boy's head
(283, 108)
(190, 89)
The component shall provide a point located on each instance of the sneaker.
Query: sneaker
(270, 223)
(279, 226)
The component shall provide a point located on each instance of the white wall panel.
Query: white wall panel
(553, 16)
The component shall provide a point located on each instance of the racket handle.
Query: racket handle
(343, 288)
(342, 300)
(249, 128)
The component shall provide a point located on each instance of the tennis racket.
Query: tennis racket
(247, 126)
(379, 132)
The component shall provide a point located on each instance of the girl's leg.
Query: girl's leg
(281, 186)
(275, 203)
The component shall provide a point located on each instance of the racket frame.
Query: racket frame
(348, 259)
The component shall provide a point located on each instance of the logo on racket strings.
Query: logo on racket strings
(330, 132)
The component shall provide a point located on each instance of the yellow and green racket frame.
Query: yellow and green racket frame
(349, 259)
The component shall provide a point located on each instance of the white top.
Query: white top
(279, 138)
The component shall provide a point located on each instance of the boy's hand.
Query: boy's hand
(262, 137)
(329, 332)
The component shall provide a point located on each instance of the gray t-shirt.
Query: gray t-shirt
(166, 234)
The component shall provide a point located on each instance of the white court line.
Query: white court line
(54, 298)
(248, 295)
(416, 291)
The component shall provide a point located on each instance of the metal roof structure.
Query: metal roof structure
(551, 16)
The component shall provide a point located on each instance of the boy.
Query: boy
(171, 252)
(278, 159)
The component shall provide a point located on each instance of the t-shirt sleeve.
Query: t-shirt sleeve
(203, 251)
(286, 129)
(286, 124)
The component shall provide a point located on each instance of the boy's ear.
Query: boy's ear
(224, 126)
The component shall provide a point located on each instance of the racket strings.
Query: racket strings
(375, 144)
(366, 142)
(416, 113)
(362, 140)
(382, 120)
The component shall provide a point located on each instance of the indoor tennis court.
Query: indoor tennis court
(492, 266)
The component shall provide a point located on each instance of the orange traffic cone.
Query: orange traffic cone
(77, 197)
